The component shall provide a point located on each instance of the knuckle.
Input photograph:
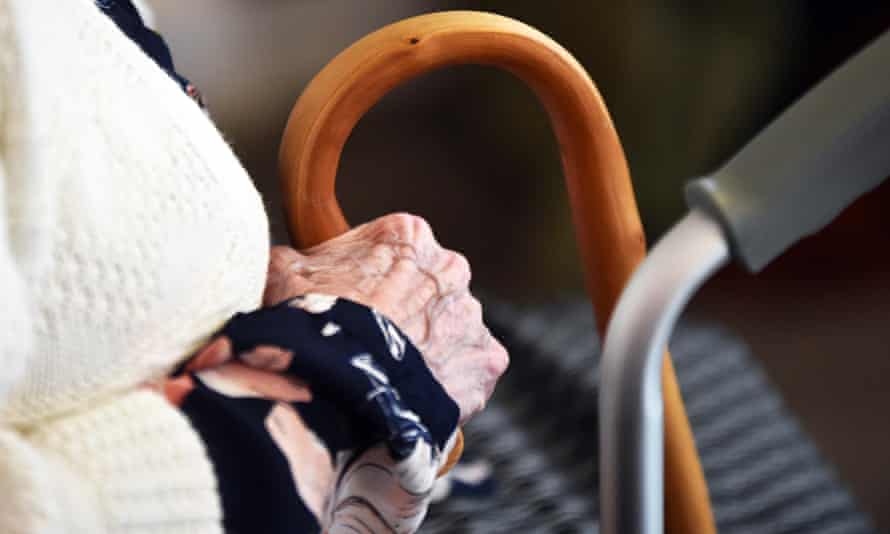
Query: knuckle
(405, 226)
(422, 228)
(390, 226)
(381, 256)
(462, 261)
(499, 360)
(460, 265)
(407, 267)
(473, 308)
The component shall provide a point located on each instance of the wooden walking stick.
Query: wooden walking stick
(606, 220)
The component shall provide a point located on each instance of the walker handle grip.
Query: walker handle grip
(815, 159)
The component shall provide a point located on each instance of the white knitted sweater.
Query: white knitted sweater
(129, 232)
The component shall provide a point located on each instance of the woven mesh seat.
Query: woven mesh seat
(540, 433)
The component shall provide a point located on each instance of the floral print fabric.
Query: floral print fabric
(351, 437)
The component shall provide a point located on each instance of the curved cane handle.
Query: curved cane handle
(606, 220)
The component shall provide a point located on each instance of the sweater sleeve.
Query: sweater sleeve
(132, 464)
(129, 464)
(15, 322)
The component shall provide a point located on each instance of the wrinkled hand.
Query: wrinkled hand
(394, 264)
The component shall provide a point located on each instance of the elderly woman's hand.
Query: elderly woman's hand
(395, 265)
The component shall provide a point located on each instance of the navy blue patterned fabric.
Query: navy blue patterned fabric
(360, 368)
(369, 385)
(255, 485)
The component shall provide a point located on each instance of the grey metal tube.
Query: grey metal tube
(816, 158)
(631, 405)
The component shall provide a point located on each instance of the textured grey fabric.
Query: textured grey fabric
(765, 475)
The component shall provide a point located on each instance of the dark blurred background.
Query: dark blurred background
(470, 149)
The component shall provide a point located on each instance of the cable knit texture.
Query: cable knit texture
(164, 480)
(129, 233)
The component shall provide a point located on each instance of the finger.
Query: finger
(402, 229)
(468, 370)
(310, 462)
(237, 379)
(381, 259)
(415, 239)
(497, 359)
(486, 366)
(213, 354)
(456, 319)
(470, 309)
(177, 389)
(452, 272)
(500, 359)
(268, 358)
